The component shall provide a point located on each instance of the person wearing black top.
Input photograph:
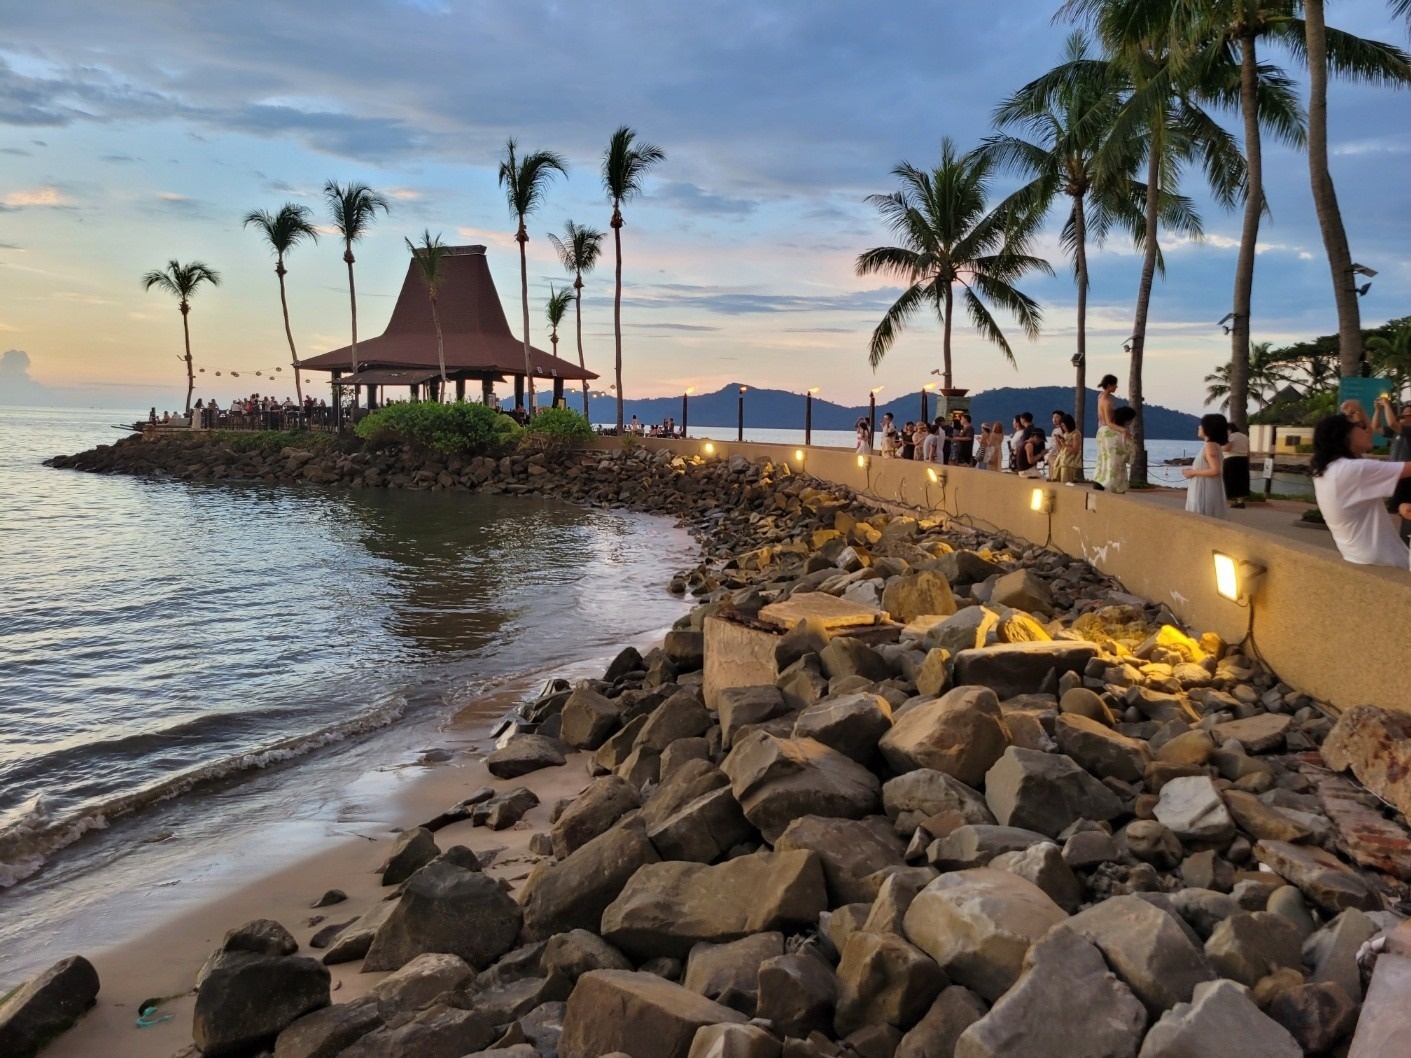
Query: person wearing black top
(1028, 445)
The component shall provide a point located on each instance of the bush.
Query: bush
(557, 428)
(462, 428)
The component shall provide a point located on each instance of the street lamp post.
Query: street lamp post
(808, 417)
(740, 430)
(926, 402)
(872, 411)
(685, 399)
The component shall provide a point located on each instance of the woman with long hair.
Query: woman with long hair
(1068, 452)
(864, 436)
(1351, 491)
(1206, 492)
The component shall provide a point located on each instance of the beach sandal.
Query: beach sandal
(147, 1015)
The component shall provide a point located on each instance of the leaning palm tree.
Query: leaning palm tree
(578, 251)
(181, 281)
(352, 209)
(526, 180)
(283, 231)
(951, 237)
(625, 166)
(555, 309)
(1266, 377)
(430, 256)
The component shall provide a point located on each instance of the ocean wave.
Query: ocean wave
(36, 832)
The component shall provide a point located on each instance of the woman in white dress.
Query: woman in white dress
(1206, 492)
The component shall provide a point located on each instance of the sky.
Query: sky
(135, 133)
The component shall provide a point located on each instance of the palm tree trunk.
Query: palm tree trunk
(1134, 382)
(288, 333)
(190, 373)
(353, 306)
(578, 312)
(1080, 262)
(440, 344)
(617, 306)
(945, 340)
(522, 236)
(1325, 200)
(1249, 235)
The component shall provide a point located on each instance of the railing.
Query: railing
(281, 419)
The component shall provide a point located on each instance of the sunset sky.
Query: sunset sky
(133, 133)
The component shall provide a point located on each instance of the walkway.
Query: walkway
(1277, 517)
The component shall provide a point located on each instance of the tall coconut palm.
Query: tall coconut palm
(578, 251)
(526, 181)
(1266, 377)
(351, 210)
(555, 309)
(283, 231)
(952, 237)
(430, 255)
(625, 166)
(1390, 355)
(182, 281)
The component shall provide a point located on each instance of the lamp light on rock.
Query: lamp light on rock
(1235, 578)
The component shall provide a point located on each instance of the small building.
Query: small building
(478, 341)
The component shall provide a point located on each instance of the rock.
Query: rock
(525, 753)
(745, 706)
(1147, 948)
(506, 809)
(733, 1041)
(572, 894)
(1085, 849)
(776, 780)
(441, 1030)
(665, 908)
(1022, 590)
(978, 924)
(1045, 792)
(932, 677)
(588, 718)
(1251, 945)
(845, 656)
(1288, 903)
(1375, 745)
(729, 973)
(331, 897)
(412, 851)
(683, 715)
(1043, 864)
(928, 792)
(446, 908)
(1011, 669)
(1317, 1016)
(886, 913)
(1332, 951)
(1080, 701)
(921, 592)
(1062, 973)
(960, 734)
(246, 999)
(591, 813)
(967, 629)
(849, 849)
(329, 1031)
(883, 979)
(703, 830)
(637, 1014)
(572, 954)
(686, 648)
(421, 982)
(797, 993)
(1151, 842)
(850, 724)
(46, 1006)
(935, 1035)
(1257, 734)
(1203, 909)
(353, 941)
(1261, 821)
(1191, 748)
(1220, 1012)
(1101, 750)
(1320, 876)
(1192, 809)
(976, 846)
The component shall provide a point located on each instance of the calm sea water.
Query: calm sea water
(184, 663)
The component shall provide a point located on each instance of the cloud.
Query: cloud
(34, 196)
(734, 302)
(691, 199)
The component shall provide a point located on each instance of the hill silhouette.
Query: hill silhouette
(777, 409)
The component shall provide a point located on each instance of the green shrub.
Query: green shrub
(462, 428)
(556, 428)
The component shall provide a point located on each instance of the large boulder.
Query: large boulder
(1101, 750)
(523, 754)
(637, 1014)
(849, 849)
(1045, 792)
(1023, 590)
(740, 707)
(683, 715)
(246, 999)
(1063, 973)
(441, 1031)
(1011, 669)
(1251, 945)
(729, 973)
(926, 792)
(572, 894)
(449, 909)
(1375, 745)
(1148, 949)
(703, 830)
(1192, 809)
(849, 723)
(935, 1035)
(412, 851)
(912, 594)
(591, 813)
(46, 1006)
(978, 925)
(882, 979)
(797, 994)
(588, 718)
(1320, 875)
(776, 780)
(961, 733)
(976, 845)
(1221, 1018)
(667, 907)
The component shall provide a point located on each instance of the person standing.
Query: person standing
(864, 437)
(1206, 492)
(1112, 442)
(931, 443)
(1236, 467)
(1068, 458)
(1350, 491)
(963, 443)
(1121, 450)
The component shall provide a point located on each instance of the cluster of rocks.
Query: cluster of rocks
(1027, 815)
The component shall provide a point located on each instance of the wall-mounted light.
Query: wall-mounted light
(1362, 270)
(1235, 579)
(863, 461)
(1041, 500)
(1127, 344)
(931, 473)
(1077, 360)
(798, 455)
(708, 449)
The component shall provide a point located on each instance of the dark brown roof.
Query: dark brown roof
(473, 326)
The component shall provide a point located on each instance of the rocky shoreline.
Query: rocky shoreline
(1019, 813)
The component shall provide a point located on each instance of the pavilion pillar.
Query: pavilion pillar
(337, 402)
(558, 393)
(460, 389)
(519, 391)
(416, 392)
(487, 391)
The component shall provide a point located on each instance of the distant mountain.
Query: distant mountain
(775, 409)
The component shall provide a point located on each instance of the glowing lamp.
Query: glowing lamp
(798, 454)
(931, 473)
(1234, 578)
(709, 449)
(1041, 500)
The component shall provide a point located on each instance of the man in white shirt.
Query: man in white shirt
(1351, 492)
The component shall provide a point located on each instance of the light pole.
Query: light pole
(926, 402)
(685, 399)
(808, 417)
(740, 430)
(872, 410)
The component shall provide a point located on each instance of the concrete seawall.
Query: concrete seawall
(1337, 631)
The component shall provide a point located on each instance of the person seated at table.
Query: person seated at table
(1351, 491)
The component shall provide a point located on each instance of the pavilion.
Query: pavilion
(478, 340)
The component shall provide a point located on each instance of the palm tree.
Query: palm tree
(283, 231)
(1067, 123)
(182, 281)
(625, 166)
(352, 209)
(555, 309)
(578, 251)
(525, 182)
(1266, 377)
(429, 256)
(950, 236)
(1390, 355)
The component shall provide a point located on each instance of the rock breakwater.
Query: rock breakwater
(1014, 810)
